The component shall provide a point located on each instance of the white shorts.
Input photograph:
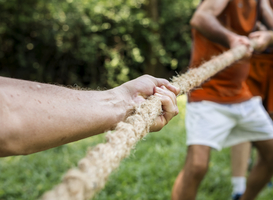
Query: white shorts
(223, 125)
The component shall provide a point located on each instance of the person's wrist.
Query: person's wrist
(125, 102)
(113, 103)
(231, 38)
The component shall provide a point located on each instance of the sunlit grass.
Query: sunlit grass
(148, 173)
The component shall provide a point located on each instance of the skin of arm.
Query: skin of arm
(206, 22)
(267, 13)
(264, 38)
(35, 116)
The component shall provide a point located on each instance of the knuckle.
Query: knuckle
(176, 111)
(147, 76)
(169, 100)
(174, 96)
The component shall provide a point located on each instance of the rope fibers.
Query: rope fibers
(84, 182)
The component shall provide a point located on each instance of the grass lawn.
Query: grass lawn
(148, 173)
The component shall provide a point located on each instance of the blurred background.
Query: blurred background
(103, 43)
(94, 43)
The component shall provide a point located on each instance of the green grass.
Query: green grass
(148, 173)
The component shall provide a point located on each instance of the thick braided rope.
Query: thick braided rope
(91, 175)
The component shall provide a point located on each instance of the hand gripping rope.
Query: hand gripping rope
(84, 182)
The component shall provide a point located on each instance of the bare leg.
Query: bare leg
(239, 159)
(262, 171)
(177, 185)
(196, 166)
(239, 163)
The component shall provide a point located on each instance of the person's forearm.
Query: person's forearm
(36, 116)
(267, 13)
(210, 27)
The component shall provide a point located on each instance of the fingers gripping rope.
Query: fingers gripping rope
(93, 170)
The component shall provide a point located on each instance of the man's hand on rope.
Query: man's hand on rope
(169, 107)
(263, 39)
(141, 88)
(237, 40)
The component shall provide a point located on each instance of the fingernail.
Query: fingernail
(159, 88)
(177, 88)
(163, 87)
(157, 94)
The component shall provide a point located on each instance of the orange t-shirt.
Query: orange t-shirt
(260, 79)
(227, 86)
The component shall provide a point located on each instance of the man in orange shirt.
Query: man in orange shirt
(260, 83)
(223, 112)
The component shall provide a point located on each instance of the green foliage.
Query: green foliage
(148, 173)
(94, 42)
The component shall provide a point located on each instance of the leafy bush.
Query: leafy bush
(96, 42)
